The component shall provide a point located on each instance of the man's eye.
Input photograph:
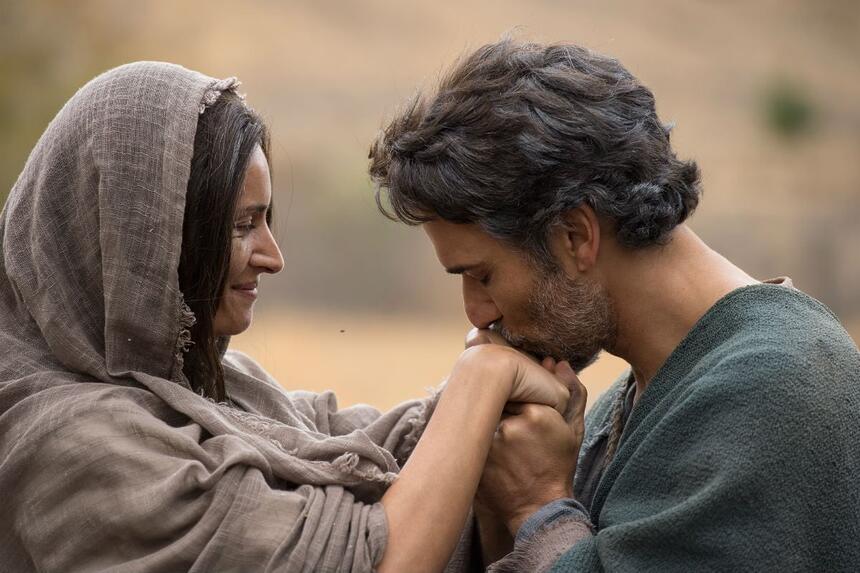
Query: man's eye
(484, 280)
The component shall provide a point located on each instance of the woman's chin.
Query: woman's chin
(234, 326)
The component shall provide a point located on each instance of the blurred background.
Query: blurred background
(764, 94)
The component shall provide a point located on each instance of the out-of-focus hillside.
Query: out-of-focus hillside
(326, 73)
(764, 96)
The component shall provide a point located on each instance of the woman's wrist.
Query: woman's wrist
(440, 479)
(490, 367)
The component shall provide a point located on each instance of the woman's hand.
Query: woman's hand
(481, 336)
(441, 477)
(520, 376)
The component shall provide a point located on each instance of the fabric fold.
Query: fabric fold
(107, 459)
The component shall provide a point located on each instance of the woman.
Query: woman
(130, 439)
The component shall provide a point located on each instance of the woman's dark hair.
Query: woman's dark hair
(517, 134)
(227, 133)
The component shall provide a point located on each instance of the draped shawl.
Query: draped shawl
(108, 460)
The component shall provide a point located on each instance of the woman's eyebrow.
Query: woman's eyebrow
(253, 209)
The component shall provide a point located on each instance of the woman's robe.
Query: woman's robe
(108, 460)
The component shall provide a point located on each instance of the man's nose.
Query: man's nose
(480, 308)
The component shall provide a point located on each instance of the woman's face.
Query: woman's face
(253, 252)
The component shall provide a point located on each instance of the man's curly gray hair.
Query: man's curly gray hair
(518, 133)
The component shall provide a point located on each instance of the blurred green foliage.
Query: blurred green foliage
(788, 111)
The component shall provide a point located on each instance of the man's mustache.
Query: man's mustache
(538, 350)
(519, 342)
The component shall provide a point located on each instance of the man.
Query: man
(543, 176)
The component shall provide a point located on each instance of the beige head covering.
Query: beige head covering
(107, 459)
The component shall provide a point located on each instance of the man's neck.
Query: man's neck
(659, 293)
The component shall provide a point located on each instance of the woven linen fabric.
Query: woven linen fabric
(108, 460)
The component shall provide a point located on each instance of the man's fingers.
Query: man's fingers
(566, 373)
(578, 393)
(575, 413)
(548, 363)
(577, 389)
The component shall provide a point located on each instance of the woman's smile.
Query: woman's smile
(248, 290)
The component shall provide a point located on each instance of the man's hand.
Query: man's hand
(533, 456)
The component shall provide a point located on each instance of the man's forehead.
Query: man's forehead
(460, 246)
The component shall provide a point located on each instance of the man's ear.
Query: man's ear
(580, 238)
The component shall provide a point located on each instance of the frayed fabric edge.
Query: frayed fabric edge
(186, 320)
(216, 88)
(347, 464)
(418, 424)
(540, 553)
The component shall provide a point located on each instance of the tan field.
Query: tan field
(371, 359)
(375, 359)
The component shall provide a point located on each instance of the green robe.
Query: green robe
(743, 453)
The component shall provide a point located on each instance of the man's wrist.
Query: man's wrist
(516, 520)
(558, 509)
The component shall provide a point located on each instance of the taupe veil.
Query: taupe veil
(108, 461)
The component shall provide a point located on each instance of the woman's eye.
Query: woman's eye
(244, 227)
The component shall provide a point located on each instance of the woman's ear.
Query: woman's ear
(579, 237)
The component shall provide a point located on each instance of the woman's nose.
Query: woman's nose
(268, 255)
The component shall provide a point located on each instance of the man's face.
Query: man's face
(544, 312)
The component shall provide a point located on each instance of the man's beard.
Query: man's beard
(569, 319)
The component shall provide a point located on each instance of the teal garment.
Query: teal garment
(743, 453)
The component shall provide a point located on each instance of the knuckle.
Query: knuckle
(531, 411)
(513, 429)
(536, 413)
(476, 337)
(478, 354)
(565, 393)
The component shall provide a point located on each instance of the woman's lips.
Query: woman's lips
(248, 290)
